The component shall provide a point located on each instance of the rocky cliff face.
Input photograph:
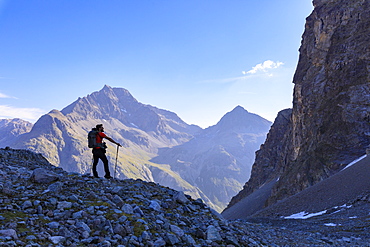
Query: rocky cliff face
(331, 105)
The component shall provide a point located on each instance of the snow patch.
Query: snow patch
(134, 125)
(304, 215)
(330, 224)
(355, 161)
(341, 207)
(344, 206)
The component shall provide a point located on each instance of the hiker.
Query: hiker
(99, 151)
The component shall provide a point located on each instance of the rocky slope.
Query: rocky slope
(42, 205)
(219, 159)
(329, 124)
(340, 190)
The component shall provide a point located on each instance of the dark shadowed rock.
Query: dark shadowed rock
(331, 113)
(329, 124)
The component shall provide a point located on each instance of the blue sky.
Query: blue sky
(199, 59)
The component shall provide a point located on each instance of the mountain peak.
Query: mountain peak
(239, 108)
(236, 112)
(107, 87)
(241, 118)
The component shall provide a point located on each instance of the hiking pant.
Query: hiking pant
(99, 153)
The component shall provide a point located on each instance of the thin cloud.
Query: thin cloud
(4, 96)
(264, 67)
(29, 114)
(245, 92)
(220, 81)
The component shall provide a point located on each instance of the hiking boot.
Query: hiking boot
(108, 177)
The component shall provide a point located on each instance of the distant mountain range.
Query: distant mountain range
(10, 129)
(158, 146)
(217, 160)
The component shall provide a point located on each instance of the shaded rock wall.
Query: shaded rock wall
(329, 125)
(331, 103)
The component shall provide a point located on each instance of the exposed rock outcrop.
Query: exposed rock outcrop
(329, 125)
(331, 103)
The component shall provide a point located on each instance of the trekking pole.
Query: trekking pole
(115, 168)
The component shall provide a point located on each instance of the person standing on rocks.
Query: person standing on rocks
(99, 151)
